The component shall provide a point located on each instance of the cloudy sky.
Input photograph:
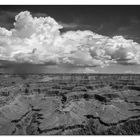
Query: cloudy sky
(87, 39)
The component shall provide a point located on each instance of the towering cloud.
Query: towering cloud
(39, 41)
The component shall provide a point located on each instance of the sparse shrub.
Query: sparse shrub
(13, 82)
(86, 96)
(27, 85)
(26, 91)
(38, 90)
(64, 99)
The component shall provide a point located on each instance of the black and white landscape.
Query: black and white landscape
(69, 70)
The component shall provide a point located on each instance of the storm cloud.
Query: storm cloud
(38, 40)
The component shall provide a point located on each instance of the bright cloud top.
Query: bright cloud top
(39, 41)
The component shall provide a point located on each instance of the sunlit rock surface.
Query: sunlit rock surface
(70, 104)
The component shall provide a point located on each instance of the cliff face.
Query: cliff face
(69, 104)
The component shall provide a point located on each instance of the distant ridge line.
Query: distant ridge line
(69, 73)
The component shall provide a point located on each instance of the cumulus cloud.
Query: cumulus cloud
(69, 25)
(38, 40)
